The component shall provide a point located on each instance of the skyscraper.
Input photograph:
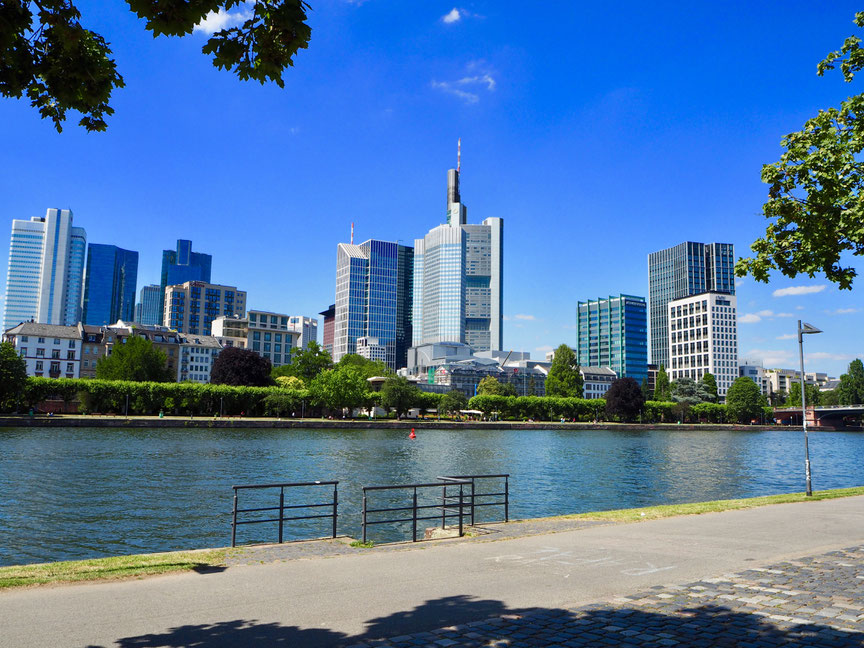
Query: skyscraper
(192, 306)
(613, 332)
(458, 279)
(46, 266)
(370, 278)
(182, 265)
(110, 279)
(149, 308)
(682, 271)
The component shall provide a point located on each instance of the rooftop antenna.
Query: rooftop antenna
(352, 232)
(459, 155)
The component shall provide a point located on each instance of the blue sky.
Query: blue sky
(599, 134)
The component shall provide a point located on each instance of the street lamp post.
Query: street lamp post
(805, 329)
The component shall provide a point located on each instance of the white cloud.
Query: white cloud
(752, 318)
(468, 88)
(843, 311)
(823, 355)
(544, 349)
(523, 316)
(749, 318)
(452, 16)
(765, 313)
(787, 336)
(798, 290)
(799, 308)
(771, 357)
(783, 315)
(218, 20)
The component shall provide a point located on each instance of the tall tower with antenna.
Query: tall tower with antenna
(457, 213)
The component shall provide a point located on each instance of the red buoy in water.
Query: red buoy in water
(412, 435)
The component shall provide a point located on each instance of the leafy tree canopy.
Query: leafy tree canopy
(793, 399)
(368, 368)
(851, 388)
(343, 387)
(688, 392)
(647, 394)
(491, 386)
(453, 402)
(662, 388)
(564, 378)
(13, 376)
(234, 366)
(306, 363)
(290, 382)
(710, 384)
(744, 400)
(134, 359)
(399, 395)
(624, 399)
(815, 202)
(47, 55)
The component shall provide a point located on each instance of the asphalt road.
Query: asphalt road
(349, 599)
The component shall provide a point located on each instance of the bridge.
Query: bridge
(829, 416)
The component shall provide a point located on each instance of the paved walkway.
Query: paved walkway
(783, 575)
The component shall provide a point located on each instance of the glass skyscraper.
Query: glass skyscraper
(110, 279)
(681, 271)
(370, 280)
(148, 310)
(458, 286)
(46, 266)
(613, 332)
(182, 265)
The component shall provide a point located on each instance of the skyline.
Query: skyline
(597, 140)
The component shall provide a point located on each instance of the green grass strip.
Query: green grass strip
(697, 508)
(114, 568)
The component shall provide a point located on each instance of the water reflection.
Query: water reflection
(75, 493)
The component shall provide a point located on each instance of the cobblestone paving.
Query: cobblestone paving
(257, 554)
(810, 602)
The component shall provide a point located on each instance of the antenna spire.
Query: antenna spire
(352, 232)
(459, 155)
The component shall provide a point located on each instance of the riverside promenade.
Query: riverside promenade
(789, 574)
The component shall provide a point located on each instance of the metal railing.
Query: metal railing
(480, 499)
(449, 504)
(282, 508)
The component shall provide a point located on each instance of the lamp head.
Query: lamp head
(806, 328)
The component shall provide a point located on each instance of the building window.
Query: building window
(71, 344)
(70, 355)
(38, 365)
(23, 351)
(56, 340)
(24, 338)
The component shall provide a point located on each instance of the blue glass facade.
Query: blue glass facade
(613, 333)
(182, 265)
(110, 279)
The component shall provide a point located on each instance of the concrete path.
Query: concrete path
(351, 599)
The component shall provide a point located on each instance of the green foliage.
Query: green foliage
(624, 399)
(647, 394)
(135, 359)
(398, 394)
(662, 388)
(710, 384)
(659, 411)
(234, 366)
(306, 363)
(744, 400)
(453, 402)
(851, 388)
(47, 55)
(688, 392)
(290, 382)
(830, 397)
(490, 386)
(13, 376)
(793, 399)
(709, 412)
(369, 368)
(340, 388)
(564, 378)
(815, 190)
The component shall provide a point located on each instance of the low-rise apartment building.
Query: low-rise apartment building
(49, 350)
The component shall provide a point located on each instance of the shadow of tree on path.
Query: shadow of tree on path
(492, 621)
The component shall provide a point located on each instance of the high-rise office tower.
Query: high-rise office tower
(192, 306)
(149, 308)
(182, 265)
(329, 326)
(458, 279)
(370, 278)
(46, 266)
(681, 271)
(110, 279)
(613, 332)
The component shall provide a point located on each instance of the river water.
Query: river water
(70, 493)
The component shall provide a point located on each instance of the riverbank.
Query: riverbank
(214, 560)
(110, 421)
